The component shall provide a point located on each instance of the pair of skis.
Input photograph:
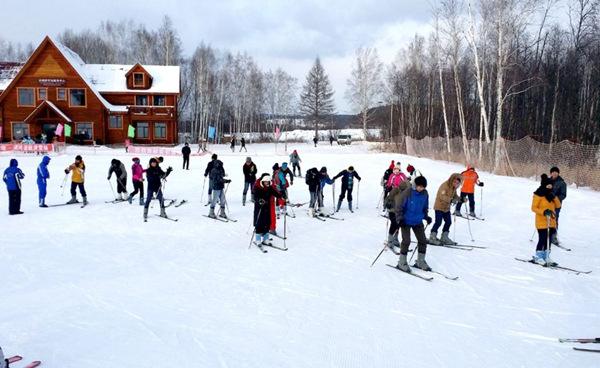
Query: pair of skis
(18, 358)
(422, 277)
(595, 340)
(556, 267)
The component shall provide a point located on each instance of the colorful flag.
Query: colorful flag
(277, 133)
(131, 131)
(59, 130)
(67, 130)
(0, 134)
(212, 131)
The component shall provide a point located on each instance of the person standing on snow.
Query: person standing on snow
(410, 211)
(315, 140)
(470, 179)
(209, 167)
(324, 180)
(137, 176)
(42, 176)
(295, 161)
(281, 183)
(250, 171)
(331, 139)
(348, 177)
(186, 151)
(118, 168)
(446, 196)
(559, 188)
(12, 177)
(390, 203)
(155, 175)
(313, 180)
(233, 143)
(395, 178)
(243, 145)
(263, 196)
(217, 178)
(77, 180)
(545, 205)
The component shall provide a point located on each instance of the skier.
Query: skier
(243, 145)
(77, 180)
(470, 179)
(545, 205)
(263, 196)
(559, 188)
(12, 177)
(137, 176)
(295, 161)
(313, 180)
(209, 167)
(186, 151)
(324, 179)
(118, 168)
(217, 178)
(281, 184)
(347, 186)
(233, 143)
(250, 171)
(155, 175)
(395, 178)
(315, 140)
(446, 196)
(386, 176)
(412, 173)
(331, 139)
(42, 176)
(391, 202)
(410, 212)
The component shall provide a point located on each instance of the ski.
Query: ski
(83, 205)
(562, 247)
(411, 273)
(330, 217)
(171, 202)
(452, 246)
(277, 236)
(168, 218)
(577, 272)
(385, 216)
(453, 278)
(297, 204)
(116, 201)
(34, 364)
(318, 218)
(391, 248)
(14, 359)
(183, 201)
(588, 350)
(216, 218)
(459, 246)
(260, 246)
(595, 340)
(62, 204)
(274, 246)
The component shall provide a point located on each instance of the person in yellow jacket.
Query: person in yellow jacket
(77, 178)
(446, 196)
(545, 205)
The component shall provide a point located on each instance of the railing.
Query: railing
(152, 110)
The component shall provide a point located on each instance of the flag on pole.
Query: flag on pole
(59, 130)
(212, 132)
(67, 130)
(0, 134)
(131, 131)
(277, 133)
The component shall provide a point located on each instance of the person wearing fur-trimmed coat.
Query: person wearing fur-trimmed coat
(264, 193)
(446, 196)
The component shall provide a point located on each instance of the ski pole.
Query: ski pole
(112, 190)
(380, 199)
(255, 222)
(203, 184)
(284, 229)
(481, 201)
(385, 245)
(63, 185)
(548, 242)
(333, 196)
(357, 194)
(532, 235)
(469, 227)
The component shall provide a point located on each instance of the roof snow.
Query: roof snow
(111, 78)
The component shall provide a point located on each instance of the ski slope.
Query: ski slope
(98, 287)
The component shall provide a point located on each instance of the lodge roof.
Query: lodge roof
(8, 71)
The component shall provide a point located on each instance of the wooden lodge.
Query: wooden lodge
(98, 101)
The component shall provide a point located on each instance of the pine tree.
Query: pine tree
(316, 100)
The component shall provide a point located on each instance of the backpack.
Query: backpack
(216, 173)
(312, 176)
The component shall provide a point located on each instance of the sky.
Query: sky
(286, 34)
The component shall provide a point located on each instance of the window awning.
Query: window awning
(44, 106)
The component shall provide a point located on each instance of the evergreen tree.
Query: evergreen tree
(316, 100)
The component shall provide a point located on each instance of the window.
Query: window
(141, 100)
(85, 130)
(42, 93)
(138, 79)
(77, 97)
(160, 130)
(19, 130)
(160, 101)
(115, 122)
(61, 94)
(141, 130)
(25, 96)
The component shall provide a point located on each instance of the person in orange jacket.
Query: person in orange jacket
(544, 205)
(470, 179)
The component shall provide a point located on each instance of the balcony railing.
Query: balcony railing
(152, 110)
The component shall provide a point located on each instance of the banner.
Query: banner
(277, 133)
(59, 130)
(27, 148)
(131, 131)
(212, 131)
(67, 130)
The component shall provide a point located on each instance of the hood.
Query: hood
(542, 190)
(469, 167)
(14, 162)
(276, 167)
(115, 162)
(284, 165)
(452, 178)
(295, 152)
(45, 160)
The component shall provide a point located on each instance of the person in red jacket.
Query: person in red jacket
(470, 179)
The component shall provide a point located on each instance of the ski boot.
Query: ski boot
(43, 203)
(244, 200)
(393, 241)
(222, 213)
(163, 213)
(554, 239)
(472, 214)
(433, 238)
(141, 201)
(445, 239)
(338, 206)
(211, 213)
(421, 263)
(549, 262)
(403, 264)
(145, 213)
(130, 199)
(350, 207)
(73, 200)
(85, 202)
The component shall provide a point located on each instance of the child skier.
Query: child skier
(209, 167)
(263, 196)
(470, 179)
(324, 180)
(295, 161)
(77, 180)
(410, 212)
(395, 178)
(118, 168)
(313, 180)
(348, 177)
(446, 196)
(544, 205)
(217, 178)
(155, 175)
(281, 184)
(249, 170)
(12, 177)
(42, 176)
(137, 176)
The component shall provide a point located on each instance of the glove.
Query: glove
(549, 213)
(480, 183)
(428, 220)
(108, 178)
(454, 201)
(227, 181)
(66, 171)
(262, 202)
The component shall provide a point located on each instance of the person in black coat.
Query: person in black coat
(118, 168)
(348, 177)
(209, 167)
(559, 188)
(186, 151)
(263, 193)
(250, 171)
(243, 144)
(233, 143)
(155, 175)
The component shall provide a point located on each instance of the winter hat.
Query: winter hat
(351, 168)
(284, 165)
(545, 181)
(214, 156)
(398, 166)
(421, 181)
(323, 169)
(153, 160)
(248, 159)
(135, 159)
(265, 177)
(392, 165)
(276, 167)
(295, 151)
(78, 158)
(114, 162)
(554, 169)
(410, 168)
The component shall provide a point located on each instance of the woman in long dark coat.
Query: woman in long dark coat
(263, 193)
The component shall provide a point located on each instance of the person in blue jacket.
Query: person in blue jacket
(42, 176)
(324, 179)
(12, 177)
(348, 177)
(410, 212)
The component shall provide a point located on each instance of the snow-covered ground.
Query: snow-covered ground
(97, 287)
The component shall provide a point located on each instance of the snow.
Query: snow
(307, 135)
(53, 107)
(97, 287)
(111, 78)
